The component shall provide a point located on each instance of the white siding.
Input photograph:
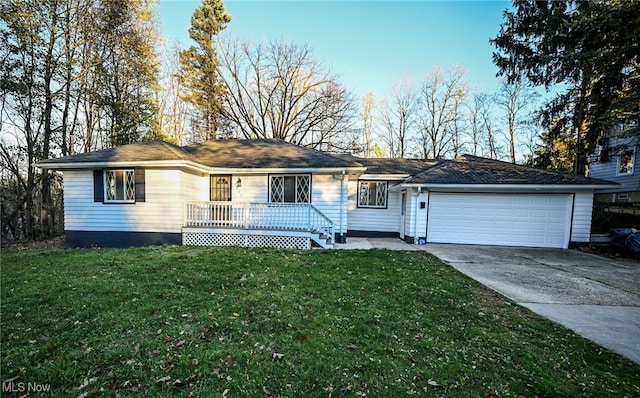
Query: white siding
(582, 211)
(161, 212)
(421, 215)
(374, 220)
(416, 218)
(254, 188)
(194, 187)
(166, 191)
(326, 198)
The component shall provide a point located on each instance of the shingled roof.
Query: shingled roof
(139, 152)
(263, 154)
(238, 154)
(273, 154)
(469, 169)
(392, 165)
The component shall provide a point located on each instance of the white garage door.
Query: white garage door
(500, 219)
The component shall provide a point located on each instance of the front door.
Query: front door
(220, 188)
(220, 191)
(403, 212)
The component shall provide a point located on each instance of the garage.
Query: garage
(505, 219)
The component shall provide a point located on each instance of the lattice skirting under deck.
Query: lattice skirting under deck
(246, 240)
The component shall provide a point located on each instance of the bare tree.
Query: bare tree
(485, 102)
(442, 93)
(475, 123)
(397, 117)
(52, 54)
(172, 109)
(513, 99)
(367, 114)
(277, 90)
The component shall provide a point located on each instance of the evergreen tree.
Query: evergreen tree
(126, 71)
(199, 68)
(590, 47)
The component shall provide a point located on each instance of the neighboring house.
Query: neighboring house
(617, 161)
(271, 193)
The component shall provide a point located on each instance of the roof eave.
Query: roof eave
(510, 187)
(125, 164)
(198, 167)
(386, 177)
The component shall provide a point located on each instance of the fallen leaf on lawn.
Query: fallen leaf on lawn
(353, 347)
(346, 389)
(276, 356)
(433, 383)
(303, 337)
(180, 343)
(86, 382)
(162, 381)
(231, 361)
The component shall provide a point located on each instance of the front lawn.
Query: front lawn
(238, 322)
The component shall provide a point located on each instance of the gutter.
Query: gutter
(198, 167)
(507, 187)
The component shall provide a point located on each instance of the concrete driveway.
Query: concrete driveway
(597, 297)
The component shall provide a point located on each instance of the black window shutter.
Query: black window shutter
(98, 186)
(140, 185)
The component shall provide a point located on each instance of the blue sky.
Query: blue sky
(369, 44)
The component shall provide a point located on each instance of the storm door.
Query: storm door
(220, 191)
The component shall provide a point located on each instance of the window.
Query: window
(372, 194)
(119, 186)
(290, 189)
(220, 188)
(625, 162)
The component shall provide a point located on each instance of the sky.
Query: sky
(370, 45)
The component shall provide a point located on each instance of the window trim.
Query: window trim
(212, 185)
(105, 186)
(370, 206)
(633, 162)
(270, 184)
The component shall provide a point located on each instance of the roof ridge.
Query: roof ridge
(177, 150)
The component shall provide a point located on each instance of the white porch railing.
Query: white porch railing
(252, 215)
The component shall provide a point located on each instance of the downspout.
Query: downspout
(341, 237)
(416, 238)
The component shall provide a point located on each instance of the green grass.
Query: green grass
(264, 322)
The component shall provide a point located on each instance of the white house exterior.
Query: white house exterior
(473, 200)
(270, 193)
